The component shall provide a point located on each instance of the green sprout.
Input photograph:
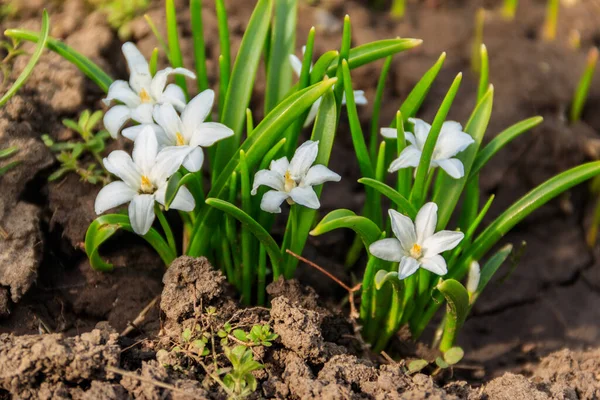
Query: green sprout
(509, 9)
(6, 153)
(477, 40)
(398, 8)
(551, 23)
(240, 380)
(583, 88)
(70, 152)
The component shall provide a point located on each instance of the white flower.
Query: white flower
(416, 245)
(474, 277)
(141, 93)
(359, 95)
(143, 181)
(293, 181)
(452, 140)
(190, 130)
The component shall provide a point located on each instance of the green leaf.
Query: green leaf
(85, 65)
(417, 194)
(175, 56)
(400, 201)
(583, 88)
(440, 362)
(321, 66)
(501, 140)
(105, 226)
(483, 73)
(283, 43)
(492, 265)
(448, 189)
(240, 335)
(416, 365)
(415, 98)
(367, 230)
(198, 40)
(255, 228)
(382, 276)
(453, 355)
(32, 61)
(525, 206)
(263, 138)
(242, 80)
(456, 311)
(9, 151)
(381, 84)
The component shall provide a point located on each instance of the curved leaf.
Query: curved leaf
(389, 192)
(85, 65)
(105, 226)
(457, 298)
(255, 228)
(382, 276)
(32, 61)
(364, 227)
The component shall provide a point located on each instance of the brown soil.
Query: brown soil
(549, 303)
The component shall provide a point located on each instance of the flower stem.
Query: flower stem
(166, 228)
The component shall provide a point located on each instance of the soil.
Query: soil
(532, 335)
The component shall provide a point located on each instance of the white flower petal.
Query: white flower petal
(303, 159)
(145, 149)
(409, 157)
(312, 113)
(453, 167)
(387, 249)
(143, 113)
(280, 166)
(403, 229)
(115, 118)
(435, 264)
(426, 221)
(440, 242)
(141, 213)
(140, 77)
(132, 133)
(168, 119)
(305, 196)
(197, 110)
(389, 133)
(120, 90)
(183, 200)
(319, 174)
(271, 201)
(452, 140)
(268, 178)
(359, 98)
(173, 94)
(407, 267)
(207, 133)
(160, 79)
(168, 162)
(422, 129)
(120, 164)
(296, 64)
(193, 162)
(112, 195)
(410, 138)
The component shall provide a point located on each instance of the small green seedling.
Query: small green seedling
(259, 335)
(71, 152)
(448, 359)
(551, 23)
(6, 153)
(240, 379)
(583, 88)
(509, 9)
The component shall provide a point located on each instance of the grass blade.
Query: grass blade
(377, 108)
(173, 38)
(400, 201)
(583, 87)
(198, 40)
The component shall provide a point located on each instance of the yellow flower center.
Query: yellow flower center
(180, 139)
(145, 96)
(290, 183)
(146, 186)
(416, 251)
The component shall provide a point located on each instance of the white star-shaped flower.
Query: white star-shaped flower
(359, 95)
(293, 180)
(190, 130)
(416, 245)
(141, 93)
(143, 181)
(452, 140)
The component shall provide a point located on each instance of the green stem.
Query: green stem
(392, 321)
(166, 228)
(262, 275)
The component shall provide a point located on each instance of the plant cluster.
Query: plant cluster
(229, 179)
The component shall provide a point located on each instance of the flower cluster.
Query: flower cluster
(163, 139)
